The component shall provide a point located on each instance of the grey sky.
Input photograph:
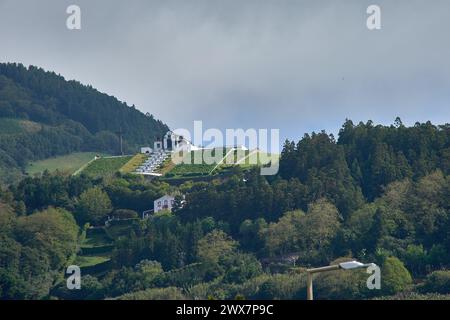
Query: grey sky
(294, 65)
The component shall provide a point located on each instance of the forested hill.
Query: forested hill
(52, 116)
(365, 159)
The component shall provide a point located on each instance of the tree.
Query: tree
(148, 270)
(241, 267)
(284, 236)
(250, 234)
(52, 232)
(437, 282)
(394, 276)
(319, 229)
(215, 245)
(93, 205)
(416, 259)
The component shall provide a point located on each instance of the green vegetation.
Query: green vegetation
(193, 164)
(396, 278)
(438, 282)
(106, 166)
(15, 126)
(33, 250)
(224, 160)
(190, 170)
(67, 164)
(133, 163)
(89, 261)
(95, 240)
(92, 206)
(44, 116)
(170, 293)
(377, 194)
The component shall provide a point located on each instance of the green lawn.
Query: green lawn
(244, 159)
(106, 166)
(96, 240)
(68, 163)
(87, 261)
(187, 170)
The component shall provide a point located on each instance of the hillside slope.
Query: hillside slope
(42, 115)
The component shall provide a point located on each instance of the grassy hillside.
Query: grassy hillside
(106, 166)
(226, 159)
(44, 116)
(67, 164)
(175, 168)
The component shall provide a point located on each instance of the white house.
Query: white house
(164, 203)
(178, 143)
(185, 146)
(146, 150)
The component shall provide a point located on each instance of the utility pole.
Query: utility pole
(120, 134)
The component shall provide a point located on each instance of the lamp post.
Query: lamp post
(349, 265)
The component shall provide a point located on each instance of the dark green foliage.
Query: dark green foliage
(91, 289)
(169, 293)
(32, 251)
(142, 276)
(71, 117)
(386, 154)
(240, 268)
(246, 235)
(342, 285)
(319, 162)
(437, 282)
(125, 214)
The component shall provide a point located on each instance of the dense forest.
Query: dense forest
(376, 193)
(42, 115)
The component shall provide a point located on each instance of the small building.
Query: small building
(146, 150)
(185, 146)
(178, 143)
(166, 202)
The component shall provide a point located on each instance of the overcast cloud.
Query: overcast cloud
(294, 65)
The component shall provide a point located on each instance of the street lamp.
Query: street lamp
(349, 265)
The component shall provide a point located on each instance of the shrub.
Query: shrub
(170, 293)
(125, 214)
(394, 276)
(437, 282)
(281, 287)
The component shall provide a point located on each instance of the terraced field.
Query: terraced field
(96, 249)
(133, 163)
(106, 166)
